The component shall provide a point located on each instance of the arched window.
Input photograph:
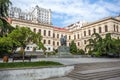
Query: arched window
(94, 30)
(48, 41)
(49, 33)
(106, 28)
(49, 48)
(78, 36)
(84, 41)
(34, 30)
(44, 32)
(78, 43)
(74, 36)
(44, 41)
(89, 32)
(39, 30)
(84, 33)
(69, 37)
(117, 28)
(57, 35)
(53, 35)
(66, 36)
(100, 30)
(58, 43)
(69, 44)
(53, 42)
(114, 28)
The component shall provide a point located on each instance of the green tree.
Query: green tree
(73, 48)
(111, 45)
(7, 44)
(116, 43)
(39, 43)
(4, 6)
(25, 36)
(5, 27)
(95, 43)
(106, 46)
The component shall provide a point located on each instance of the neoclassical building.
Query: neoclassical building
(51, 34)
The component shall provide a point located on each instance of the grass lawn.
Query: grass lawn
(28, 64)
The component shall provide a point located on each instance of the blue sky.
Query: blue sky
(66, 12)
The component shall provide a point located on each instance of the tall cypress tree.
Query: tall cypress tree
(73, 48)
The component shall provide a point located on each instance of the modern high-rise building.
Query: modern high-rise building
(41, 15)
(37, 15)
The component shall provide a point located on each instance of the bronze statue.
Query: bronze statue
(63, 40)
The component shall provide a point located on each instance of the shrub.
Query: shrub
(96, 54)
(80, 52)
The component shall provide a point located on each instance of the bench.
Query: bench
(19, 57)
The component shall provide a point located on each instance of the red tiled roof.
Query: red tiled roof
(59, 28)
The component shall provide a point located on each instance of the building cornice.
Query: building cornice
(102, 20)
(96, 22)
(29, 22)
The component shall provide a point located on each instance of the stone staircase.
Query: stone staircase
(95, 71)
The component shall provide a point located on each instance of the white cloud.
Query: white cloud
(71, 11)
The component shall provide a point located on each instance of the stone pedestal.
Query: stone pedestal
(64, 51)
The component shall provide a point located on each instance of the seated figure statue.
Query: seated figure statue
(63, 40)
(64, 50)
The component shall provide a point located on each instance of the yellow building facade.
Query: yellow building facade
(51, 34)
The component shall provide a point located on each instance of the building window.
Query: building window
(117, 28)
(114, 27)
(49, 33)
(74, 36)
(48, 41)
(85, 50)
(53, 42)
(94, 30)
(100, 30)
(53, 35)
(44, 32)
(89, 32)
(66, 36)
(78, 36)
(57, 35)
(44, 42)
(106, 28)
(28, 48)
(69, 44)
(78, 43)
(84, 41)
(84, 33)
(69, 37)
(34, 30)
(39, 30)
(58, 43)
(49, 48)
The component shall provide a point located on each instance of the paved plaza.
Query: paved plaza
(73, 61)
(70, 61)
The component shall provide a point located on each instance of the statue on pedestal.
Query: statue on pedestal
(63, 40)
(63, 50)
